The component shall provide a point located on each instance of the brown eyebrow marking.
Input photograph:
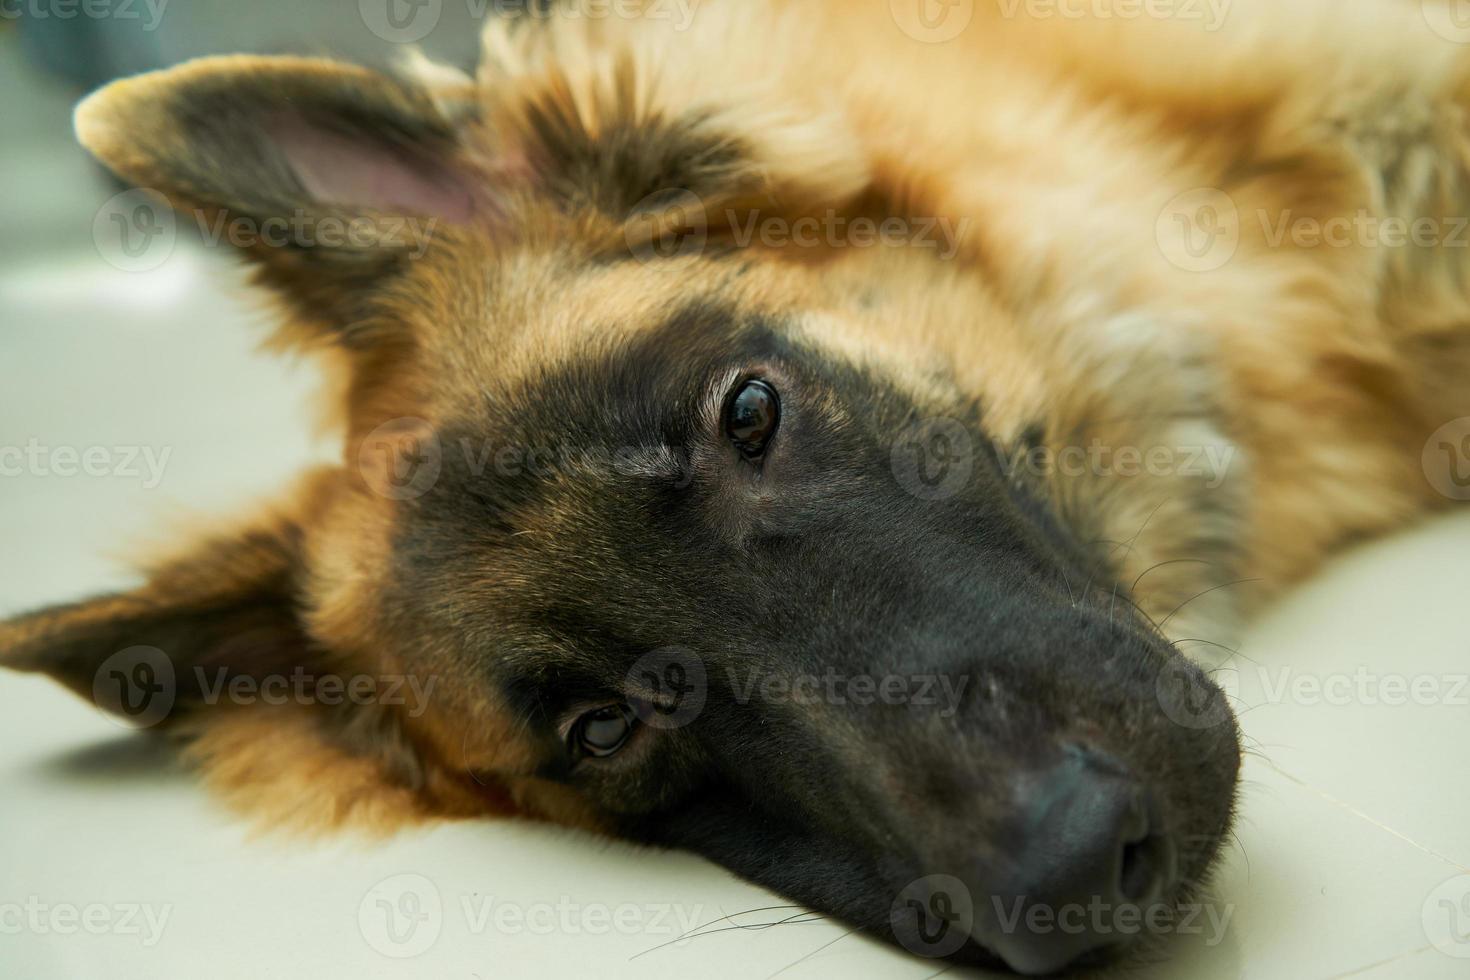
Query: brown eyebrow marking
(712, 404)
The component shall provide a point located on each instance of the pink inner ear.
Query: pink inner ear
(357, 172)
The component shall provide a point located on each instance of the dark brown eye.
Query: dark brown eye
(752, 418)
(602, 731)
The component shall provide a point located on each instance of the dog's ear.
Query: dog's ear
(215, 647)
(225, 609)
(329, 175)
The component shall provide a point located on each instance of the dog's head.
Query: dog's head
(709, 543)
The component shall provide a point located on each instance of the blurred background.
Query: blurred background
(54, 51)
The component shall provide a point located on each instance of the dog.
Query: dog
(835, 437)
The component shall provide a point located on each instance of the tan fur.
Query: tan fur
(1317, 372)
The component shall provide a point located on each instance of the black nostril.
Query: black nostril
(1086, 841)
(1144, 867)
(1147, 862)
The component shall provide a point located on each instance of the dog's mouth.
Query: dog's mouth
(1071, 852)
(1045, 939)
(1088, 864)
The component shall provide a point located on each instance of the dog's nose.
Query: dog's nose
(1089, 855)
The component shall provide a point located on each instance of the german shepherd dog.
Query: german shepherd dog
(830, 436)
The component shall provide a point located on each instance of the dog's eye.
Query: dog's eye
(752, 418)
(602, 731)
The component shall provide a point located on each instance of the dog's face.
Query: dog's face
(714, 548)
(725, 610)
